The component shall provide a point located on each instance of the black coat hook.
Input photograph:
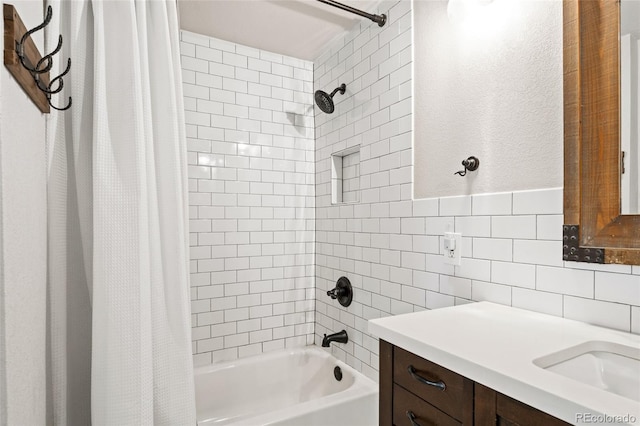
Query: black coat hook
(20, 47)
(471, 164)
(49, 57)
(44, 64)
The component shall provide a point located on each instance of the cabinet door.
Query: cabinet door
(515, 412)
(493, 408)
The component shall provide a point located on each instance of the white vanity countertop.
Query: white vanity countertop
(495, 345)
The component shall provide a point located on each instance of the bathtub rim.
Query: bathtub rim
(208, 368)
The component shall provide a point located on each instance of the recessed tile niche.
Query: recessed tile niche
(345, 176)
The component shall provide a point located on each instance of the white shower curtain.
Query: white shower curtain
(118, 306)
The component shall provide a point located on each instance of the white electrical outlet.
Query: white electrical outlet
(452, 247)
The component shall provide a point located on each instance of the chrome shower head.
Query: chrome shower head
(325, 101)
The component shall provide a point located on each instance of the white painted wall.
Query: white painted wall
(490, 86)
(22, 246)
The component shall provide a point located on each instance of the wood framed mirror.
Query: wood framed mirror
(595, 230)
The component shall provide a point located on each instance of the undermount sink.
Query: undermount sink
(605, 365)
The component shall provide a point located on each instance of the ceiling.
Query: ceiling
(298, 28)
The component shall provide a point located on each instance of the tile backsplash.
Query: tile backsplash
(250, 136)
(390, 246)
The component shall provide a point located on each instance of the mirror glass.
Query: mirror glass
(630, 105)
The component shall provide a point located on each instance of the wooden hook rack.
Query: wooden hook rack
(14, 29)
(26, 53)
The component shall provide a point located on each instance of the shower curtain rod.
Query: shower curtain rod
(379, 19)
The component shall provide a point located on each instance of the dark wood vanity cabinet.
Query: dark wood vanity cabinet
(412, 394)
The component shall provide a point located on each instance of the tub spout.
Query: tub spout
(339, 337)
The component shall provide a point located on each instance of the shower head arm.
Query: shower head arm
(340, 89)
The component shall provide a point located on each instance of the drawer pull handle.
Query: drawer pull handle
(440, 385)
(412, 418)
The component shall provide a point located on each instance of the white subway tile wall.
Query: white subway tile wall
(390, 246)
(249, 118)
(267, 243)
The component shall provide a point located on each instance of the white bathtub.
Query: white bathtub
(295, 387)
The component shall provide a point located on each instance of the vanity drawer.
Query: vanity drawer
(406, 405)
(457, 397)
